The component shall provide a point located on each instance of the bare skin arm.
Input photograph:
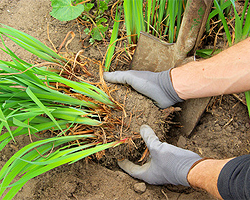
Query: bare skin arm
(226, 73)
(205, 175)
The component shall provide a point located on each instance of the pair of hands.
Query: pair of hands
(168, 164)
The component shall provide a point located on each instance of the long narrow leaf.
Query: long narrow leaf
(238, 24)
(5, 123)
(246, 29)
(27, 148)
(149, 10)
(31, 49)
(247, 94)
(112, 43)
(161, 13)
(40, 104)
(29, 40)
(8, 174)
(179, 14)
(215, 12)
(5, 138)
(46, 164)
(224, 22)
(128, 18)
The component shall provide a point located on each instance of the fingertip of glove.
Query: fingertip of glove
(106, 75)
(144, 126)
(146, 129)
(163, 105)
(123, 163)
(114, 77)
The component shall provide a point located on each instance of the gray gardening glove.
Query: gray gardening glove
(168, 164)
(157, 86)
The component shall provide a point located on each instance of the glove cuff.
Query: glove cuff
(196, 163)
(184, 168)
(166, 84)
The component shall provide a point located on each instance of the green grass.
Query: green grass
(28, 163)
(160, 18)
(112, 43)
(30, 102)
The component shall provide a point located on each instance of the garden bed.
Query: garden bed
(222, 132)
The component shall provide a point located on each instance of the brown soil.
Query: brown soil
(222, 132)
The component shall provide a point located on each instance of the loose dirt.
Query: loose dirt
(222, 132)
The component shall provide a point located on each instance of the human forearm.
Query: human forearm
(205, 175)
(226, 73)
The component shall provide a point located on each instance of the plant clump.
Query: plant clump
(38, 97)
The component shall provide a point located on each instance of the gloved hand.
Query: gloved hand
(168, 164)
(157, 86)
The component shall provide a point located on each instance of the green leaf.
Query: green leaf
(63, 10)
(8, 174)
(30, 41)
(21, 124)
(101, 20)
(76, 1)
(134, 18)
(247, 94)
(172, 21)
(112, 44)
(5, 123)
(98, 32)
(103, 29)
(33, 50)
(77, 119)
(224, 22)
(148, 13)
(86, 89)
(88, 7)
(87, 31)
(91, 41)
(127, 4)
(5, 138)
(28, 103)
(40, 104)
(29, 163)
(137, 15)
(246, 29)
(207, 53)
(215, 12)
(103, 6)
(13, 55)
(238, 25)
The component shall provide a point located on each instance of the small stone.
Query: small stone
(121, 175)
(247, 125)
(217, 128)
(63, 23)
(228, 129)
(3, 157)
(14, 147)
(2, 163)
(141, 97)
(221, 123)
(70, 187)
(243, 129)
(182, 142)
(140, 187)
(235, 125)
